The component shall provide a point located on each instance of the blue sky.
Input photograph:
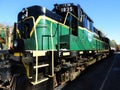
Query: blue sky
(104, 13)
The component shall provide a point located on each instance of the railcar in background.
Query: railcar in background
(52, 47)
(113, 46)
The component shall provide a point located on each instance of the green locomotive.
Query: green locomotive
(53, 47)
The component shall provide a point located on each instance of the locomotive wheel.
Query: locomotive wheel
(21, 83)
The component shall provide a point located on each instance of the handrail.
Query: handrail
(36, 41)
(18, 31)
(52, 49)
(72, 15)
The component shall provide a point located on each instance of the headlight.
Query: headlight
(15, 44)
(18, 45)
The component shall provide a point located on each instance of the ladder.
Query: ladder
(44, 78)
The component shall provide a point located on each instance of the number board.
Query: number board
(66, 7)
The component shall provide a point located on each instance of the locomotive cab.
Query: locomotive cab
(70, 13)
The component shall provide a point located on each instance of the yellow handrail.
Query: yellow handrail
(52, 49)
(72, 15)
(36, 41)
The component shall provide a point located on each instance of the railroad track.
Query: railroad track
(98, 76)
